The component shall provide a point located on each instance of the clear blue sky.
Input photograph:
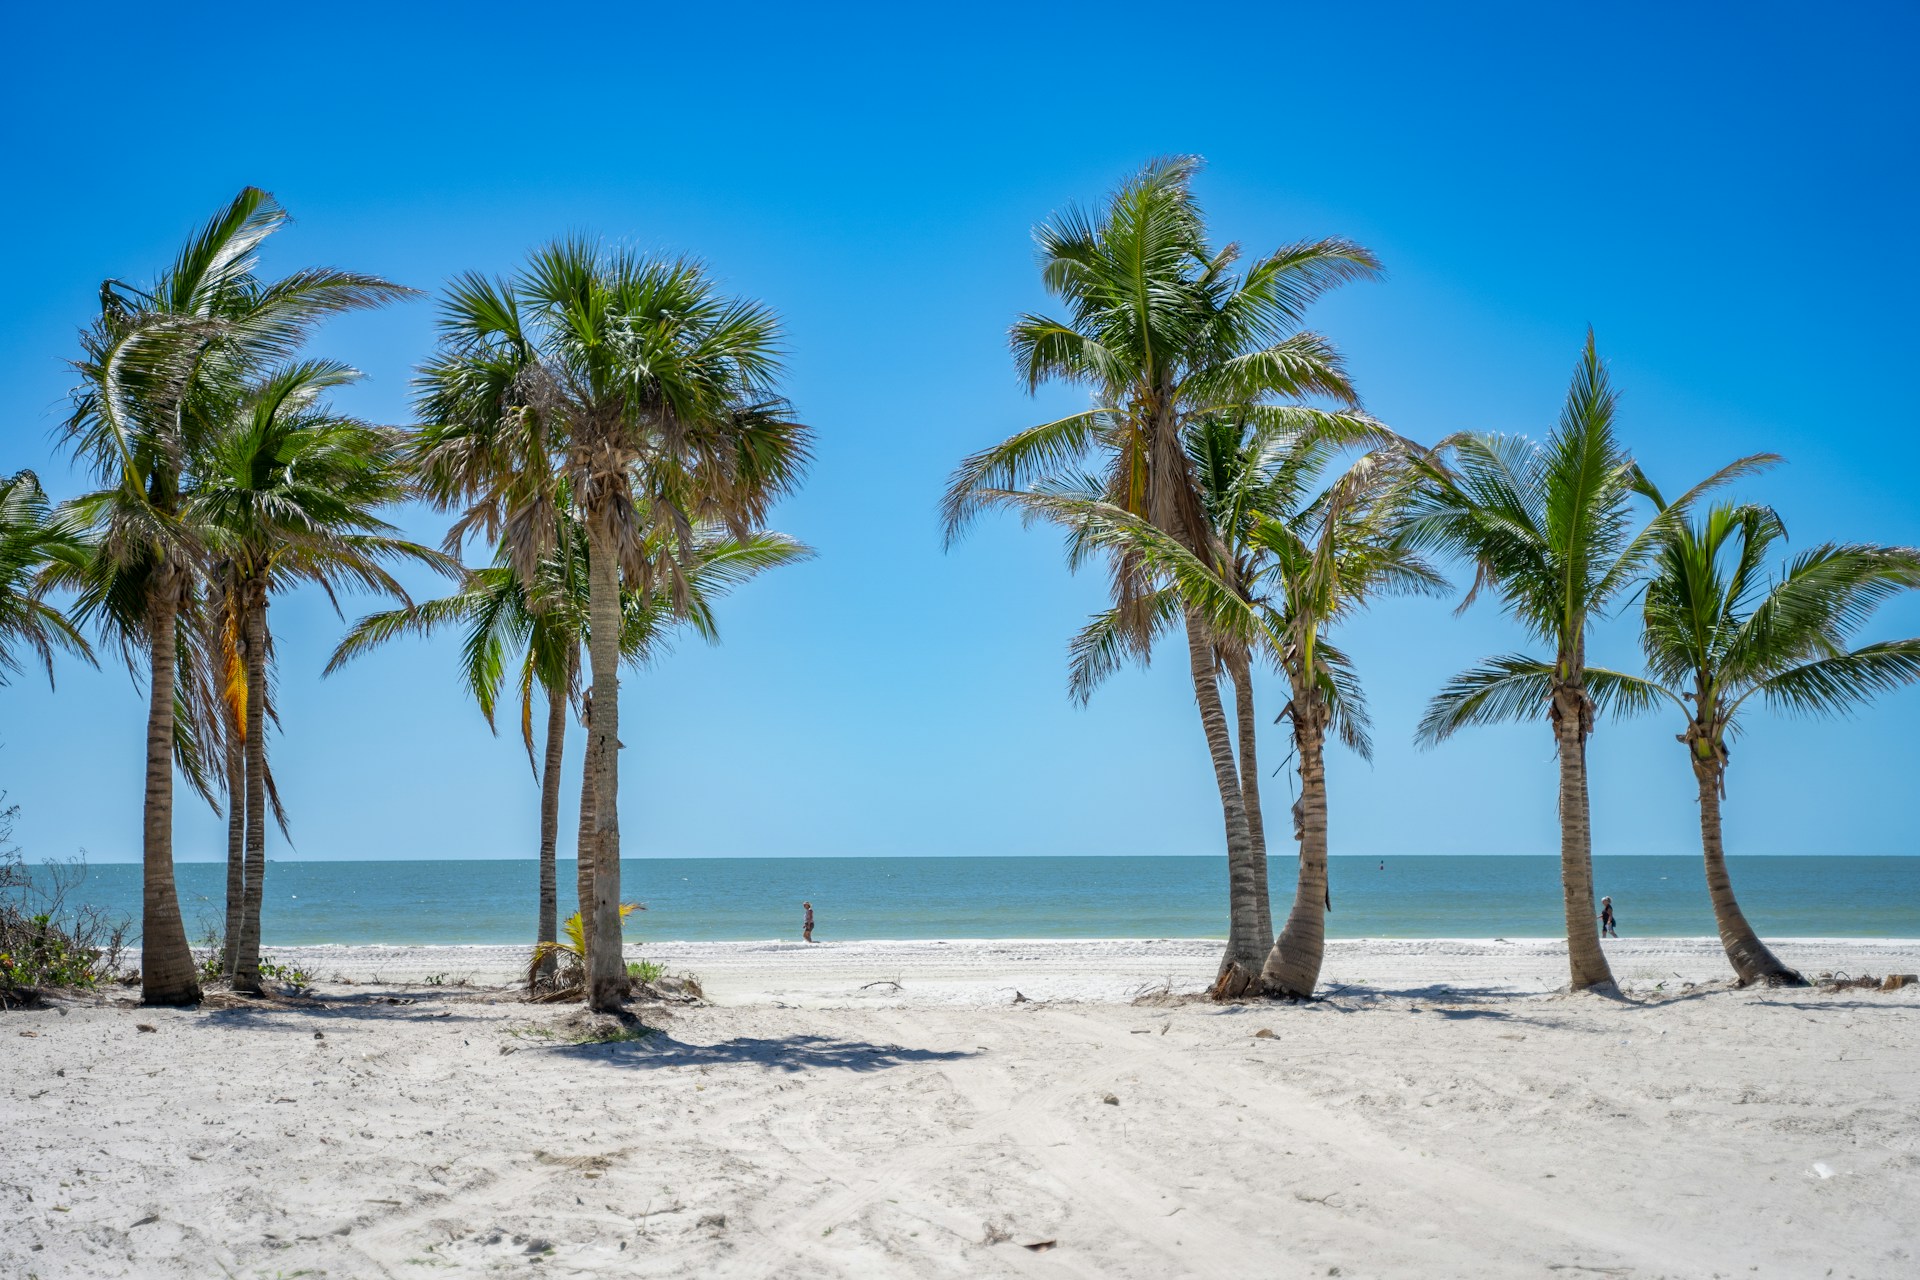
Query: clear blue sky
(1727, 196)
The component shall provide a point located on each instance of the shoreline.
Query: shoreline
(984, 971)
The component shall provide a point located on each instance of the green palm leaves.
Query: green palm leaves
(32, 538)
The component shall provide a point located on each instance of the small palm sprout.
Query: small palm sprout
(562, 962)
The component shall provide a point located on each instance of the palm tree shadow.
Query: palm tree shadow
(270, 1013)
(658, 1049)
(1881, 1005)
(1450, 1003)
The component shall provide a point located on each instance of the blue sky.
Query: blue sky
(1726, 196)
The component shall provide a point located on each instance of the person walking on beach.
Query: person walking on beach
(806, 930)
(1606, 919)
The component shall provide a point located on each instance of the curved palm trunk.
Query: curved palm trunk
(1586, 962)
(1240, 668)
(1239, 973)
(167, 974)
(1293, 966)
(606, 970)
(246, 968)
(236, 841)
(547, 927)
(1751, 959)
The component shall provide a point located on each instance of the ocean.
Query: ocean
(703, 899)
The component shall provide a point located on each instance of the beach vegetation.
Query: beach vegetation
(646, 972)
(292, 977)
(1166, 336)
(570, 951)
(635, 389)
(1553, 534)
(48, 939)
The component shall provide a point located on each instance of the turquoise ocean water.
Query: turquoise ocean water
(854, 898)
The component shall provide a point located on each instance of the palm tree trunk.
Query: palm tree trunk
(1586, 962)
(547, 927)
(1239, 973)
(1241, 669)
(606, 970)
(1751, 959)
(167, 975)
(1293, 966)
(246, 968)
(583, 848)
(236, 840)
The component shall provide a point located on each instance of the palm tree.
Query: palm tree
(1301, 557)
(31, 537)
(654, 397)
(287, 493)
(1717, 632)
(1551, 530)
(1164, 334)
(501, 627)
(158, 368)
(1313, 558)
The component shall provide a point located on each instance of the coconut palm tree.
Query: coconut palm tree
(1552, 533)
(158, 369)
(654, 397)
(501, 628)
(1718, 632)
(1307, 547)
(31, 537)
(1315, 556)
(1163, 333)
(288, 492)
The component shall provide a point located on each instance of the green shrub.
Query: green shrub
(646, 970)
(44, 941)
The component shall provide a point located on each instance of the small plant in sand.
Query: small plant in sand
(291, 977)
(571, 952)
(648, 971)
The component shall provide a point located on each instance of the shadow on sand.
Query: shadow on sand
(659, 1049)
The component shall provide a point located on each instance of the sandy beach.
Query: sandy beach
(1441, 1114)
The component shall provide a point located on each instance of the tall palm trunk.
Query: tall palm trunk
(1246, 729)
(236, 838)
(1293, 966)
(167, 974)
(547, 927)
(606, 970)
(1239, 973)
(246, 968)
(1586, 962)
(583, 846)
(1751, 959)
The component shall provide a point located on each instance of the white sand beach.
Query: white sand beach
(1442, 1113)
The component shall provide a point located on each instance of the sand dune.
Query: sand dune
(1399, 1129)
